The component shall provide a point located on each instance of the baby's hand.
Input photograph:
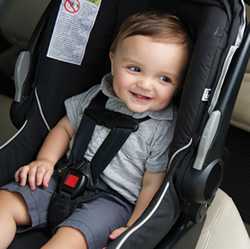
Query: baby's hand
(36, 173)
(117, 232)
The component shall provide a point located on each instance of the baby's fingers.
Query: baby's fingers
(117, 232)
(32, 177)
(17, 175)
(40, 172)
(21, 175)
(46, 177)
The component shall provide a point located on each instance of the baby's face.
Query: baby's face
(146, 72)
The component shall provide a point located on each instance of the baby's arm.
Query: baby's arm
(54, 146)
(150, 185)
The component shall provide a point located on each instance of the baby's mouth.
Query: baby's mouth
(140, 97)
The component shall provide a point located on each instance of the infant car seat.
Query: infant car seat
(48, 74)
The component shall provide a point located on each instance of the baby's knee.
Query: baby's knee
(67, 237)
(12, 203)
(7, 198)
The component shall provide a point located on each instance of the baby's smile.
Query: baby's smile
(140, 97)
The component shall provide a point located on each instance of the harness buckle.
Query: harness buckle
(73, 183)
(76, 179)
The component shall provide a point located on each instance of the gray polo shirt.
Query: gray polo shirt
(145, 149)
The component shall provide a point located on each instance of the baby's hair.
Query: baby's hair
(158, 25)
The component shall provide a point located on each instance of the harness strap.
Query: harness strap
(86, 129)
(109, 148)
(82, 139)
(121, 126)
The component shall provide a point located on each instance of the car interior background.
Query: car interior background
(237, 166)
(236, 174)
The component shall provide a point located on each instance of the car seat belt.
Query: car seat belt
(78, 182)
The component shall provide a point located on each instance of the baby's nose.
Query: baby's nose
(145, 84)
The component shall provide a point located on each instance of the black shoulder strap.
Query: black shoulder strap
(82, 139)
(109, 148)
(86, 129)
(121, 126)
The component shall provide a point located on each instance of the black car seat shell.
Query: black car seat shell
(217, 28)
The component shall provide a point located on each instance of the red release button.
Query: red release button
(71, 181)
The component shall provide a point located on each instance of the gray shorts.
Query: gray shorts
(88, 219)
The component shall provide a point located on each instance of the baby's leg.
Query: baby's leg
(65, 238)
(13, 211)
(87, 227)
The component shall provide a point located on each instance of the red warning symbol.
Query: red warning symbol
(72, 6)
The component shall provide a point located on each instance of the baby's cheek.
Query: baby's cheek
(164, 101)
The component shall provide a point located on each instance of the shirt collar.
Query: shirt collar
(114, 103)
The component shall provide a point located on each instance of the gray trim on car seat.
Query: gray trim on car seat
(207, 138)
(139, 225)
(14, 136)
(21, 71)
(228, 60)
(41, 111)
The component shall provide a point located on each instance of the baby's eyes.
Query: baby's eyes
(165, 78)
(134, 69)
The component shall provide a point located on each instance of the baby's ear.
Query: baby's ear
(111, 57)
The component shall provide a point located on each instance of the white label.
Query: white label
(206, 94)
(73, 25)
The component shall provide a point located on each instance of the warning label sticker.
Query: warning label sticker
(73, 25)
(72, 6)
